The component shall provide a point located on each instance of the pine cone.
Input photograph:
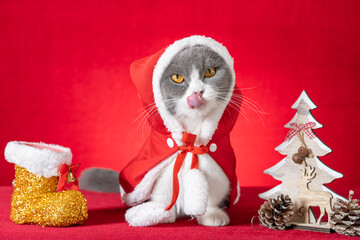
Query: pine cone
(276, 213)
(345, 218)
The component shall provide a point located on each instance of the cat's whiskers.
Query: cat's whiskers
(215, 95)
(149, 108)
(242, 111)
(247, 88)
(145, 110)
(228, 111)
(247, 104)
(234, 104)
(239, 100)
(222, 88)
(150, 121)
(157, 114)
(149, 114)
(237, 108)
(145, 118)
(251, 102)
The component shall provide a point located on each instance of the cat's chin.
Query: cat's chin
(201, 108)
(192, 119)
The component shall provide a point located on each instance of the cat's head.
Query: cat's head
(193, 81)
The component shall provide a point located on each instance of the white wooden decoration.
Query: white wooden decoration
(304, 181)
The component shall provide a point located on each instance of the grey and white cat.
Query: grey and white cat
(194, 89)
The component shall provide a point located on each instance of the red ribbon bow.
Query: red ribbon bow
(65, 172)
(189, 140)
(297, 128)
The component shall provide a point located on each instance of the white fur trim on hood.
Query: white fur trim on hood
(169, 121)
(38, 158)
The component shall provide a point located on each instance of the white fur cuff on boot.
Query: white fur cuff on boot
(38, 158)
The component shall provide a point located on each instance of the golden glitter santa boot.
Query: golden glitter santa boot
(35, 199)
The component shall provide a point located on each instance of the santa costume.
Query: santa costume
(167, 137)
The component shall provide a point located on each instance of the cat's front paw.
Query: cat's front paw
(147, 214)
(171, 219)
(214, 218)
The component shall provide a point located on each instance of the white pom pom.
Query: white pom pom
(196, 191)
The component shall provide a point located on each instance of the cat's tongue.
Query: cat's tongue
(195, 100)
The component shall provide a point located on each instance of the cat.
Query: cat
(192, 113)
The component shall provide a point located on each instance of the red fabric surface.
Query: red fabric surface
(106, 221)
(65, 78)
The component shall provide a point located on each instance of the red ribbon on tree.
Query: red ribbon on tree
(67, 175)
(189, 140)
(302, 127)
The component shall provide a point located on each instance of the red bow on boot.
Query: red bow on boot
(67, 175)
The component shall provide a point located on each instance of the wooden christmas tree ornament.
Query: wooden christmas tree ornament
(301, 172)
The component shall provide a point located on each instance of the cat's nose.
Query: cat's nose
(195, 100)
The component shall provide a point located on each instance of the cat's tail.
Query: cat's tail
(99, 180)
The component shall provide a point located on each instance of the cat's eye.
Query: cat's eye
(210, 72)
(177, 78)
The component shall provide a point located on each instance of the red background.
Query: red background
(64, 72)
